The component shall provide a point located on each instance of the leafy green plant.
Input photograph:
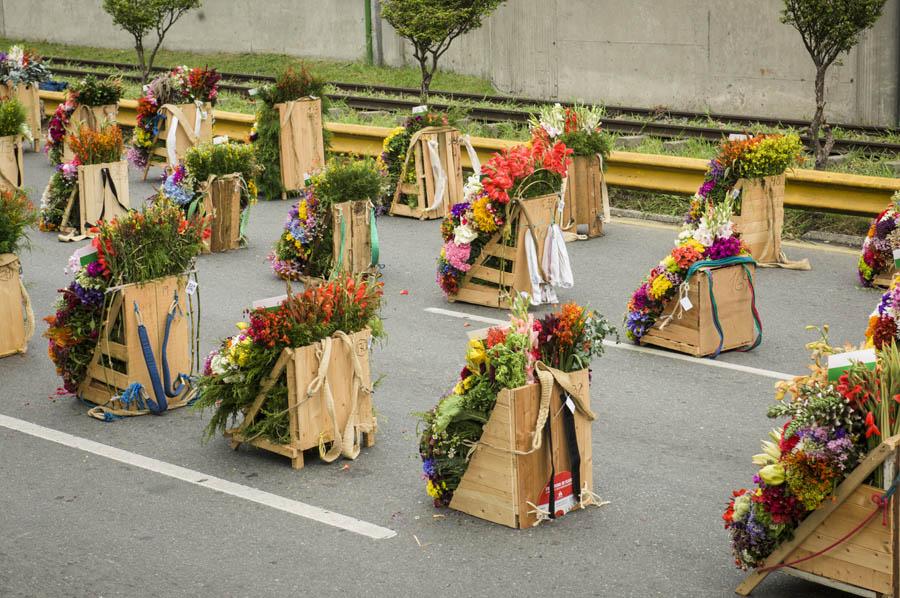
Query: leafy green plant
(829, 28)
(12, 118)
(588, 143)
(220, 159)
(140, 17)
(347, 179)
(432, 25)
(92, 91)
(17, 215)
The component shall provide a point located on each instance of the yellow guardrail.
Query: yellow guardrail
(806, 189)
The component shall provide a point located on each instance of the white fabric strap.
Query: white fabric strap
(172, 141)
(556, 259)
(541, 292)
(473, 155)
(440, 177)
(201, 116)
(604, 193)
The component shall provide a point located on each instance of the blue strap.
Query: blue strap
(160, 405)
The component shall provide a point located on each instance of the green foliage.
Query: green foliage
(348, 179)
(830, 27)
(53, 203)
(12, 117)
(770, 157)
(208, 159)
(293, 82)
(432, 25)
(16, 216)
(91, 91)
(588, 143)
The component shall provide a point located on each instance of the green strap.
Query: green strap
(339, 262)
(245, 218)
(373, 237)
(193, 207)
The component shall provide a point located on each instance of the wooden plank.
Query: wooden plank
(488, 274)
(874, 459)
(850, 573)
(837, 585)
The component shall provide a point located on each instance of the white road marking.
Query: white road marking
(636, 348)
(363, 528)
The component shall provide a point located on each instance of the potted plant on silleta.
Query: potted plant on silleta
(13, 131)
(21, 72)
(16, 216)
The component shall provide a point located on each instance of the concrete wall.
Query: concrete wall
(326, 28)
(731, 56)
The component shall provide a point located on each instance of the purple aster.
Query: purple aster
(459, 209)
(724, 248)
(884, 227)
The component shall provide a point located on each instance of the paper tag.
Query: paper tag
(420, 109)
(686, 303)
(252, 92)
(220, 139)
(564, 498)
(191, 287)
(570, 404)
(86, 255)
(738, 137)
(897, 258)
(270, 303)
(306, 178)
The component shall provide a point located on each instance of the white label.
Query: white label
(270, 302)
(896, 256)
(252, 92)
(306, 178)
(686, 304)
(420, 109)
(738, 137)
(191, 287)
(570, 404)
(220, 139)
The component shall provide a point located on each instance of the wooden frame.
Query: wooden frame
(12, 163)
(91, 116)
(97, 198)
(500, 480)
(301, 144)
(310, 423)
(866, 564)
(118, 360)
(30, 99)
(500, 272)
(885, 279)
(693, 331)
(185, 137)
(587, 197)
(222, 200)
(424, 187)
(357, 241)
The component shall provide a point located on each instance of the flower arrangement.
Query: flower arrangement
(757, 156)
(519, 172)
(138, 247)
(233, 373)
(92, 146)
(878, 247)
(22, 66)
(578, 127)
(179, 86)
(92, 91)
(305, 247)
(293, 83)
(17, 215)
(184, 184)
(395, 147)
(708, 235)
(506, 358)
(829, 428)
(57, 129)
(13, 119)
(882, 329)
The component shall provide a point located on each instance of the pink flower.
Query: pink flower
(458, 255)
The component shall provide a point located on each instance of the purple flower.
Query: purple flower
(95, 269)
(884, 227)
(459, 209)
(641, 299)
(90, 297)
(724, 248)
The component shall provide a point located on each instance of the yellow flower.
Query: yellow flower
(669, 264)
(390, 137)
(253, 190)
(463, 385)
(301, 210)
(484, 220)
(242, 325)
(659, 287)
(772, 475)
(697, 245)
(435, 490)
(476, 355)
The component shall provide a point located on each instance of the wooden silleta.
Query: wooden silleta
(587, 197)
(864, 562)
(302, 147)
(506, 476)
(329, 400)
(223, 201)
(352, 237)
(501, 270)
(15, 308)
(118, 360)
(30, 99)
(102, 193)
(12, 163)
(446, 141)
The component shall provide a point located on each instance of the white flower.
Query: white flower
(472, 187)
(463, 234)
(725, 230)
(703, 234)
(219, 364)
(552, 131)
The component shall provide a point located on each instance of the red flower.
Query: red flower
(871, 428)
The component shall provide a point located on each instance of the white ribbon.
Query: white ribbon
(604, 193)
(556, 259)
(473, 155)
(201, 116)
(541, 292)
(440, 177)
(172, 141)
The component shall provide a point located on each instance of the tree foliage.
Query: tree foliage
(432, 25)
(828, 28)
(141, 17)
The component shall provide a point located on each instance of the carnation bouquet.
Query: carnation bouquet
(520, 172)
(881, 241)
(181, 85)
(506, 358)
(831, 424)
(22, 66)
(291, 84)
(139, 247)
(305, 247)
(233, 374)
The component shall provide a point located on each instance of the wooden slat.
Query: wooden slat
(832, 568)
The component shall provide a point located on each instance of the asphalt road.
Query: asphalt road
(673, 438)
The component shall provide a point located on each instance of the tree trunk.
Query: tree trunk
(142, 64)
(426, 80)
(820, 150)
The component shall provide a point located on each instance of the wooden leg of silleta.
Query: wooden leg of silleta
(369, 440)
(297, 460)
(809, 525)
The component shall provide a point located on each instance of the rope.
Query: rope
(881, 501)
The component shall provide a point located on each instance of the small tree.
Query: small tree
(828, 28)
(432, 25)
(140, 17)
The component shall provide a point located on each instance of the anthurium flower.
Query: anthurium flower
(772, 475)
